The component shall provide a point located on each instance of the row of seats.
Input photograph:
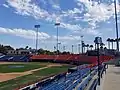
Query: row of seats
(67, 81)
(70, 57)
(15, 58)
(95, 82)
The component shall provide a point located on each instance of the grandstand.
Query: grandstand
(75, 59)
(77, 80)
(14, 58)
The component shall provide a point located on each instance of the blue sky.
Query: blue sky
(89, 18)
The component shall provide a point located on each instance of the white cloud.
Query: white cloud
(29, 8)
(68, 38)
(74, 11)
(93, 32)
(97, 12)
(56, 7)
(5, 5)
(28, 34)
(54, 4)
(26, 8)
(31, 34)
(70, 26)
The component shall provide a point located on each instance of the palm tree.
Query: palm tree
(87, 46)
(119, 39)
(95, 45)
(116, 40)
(101, 45)
(26, 47)
(105, 48)
(91, 46)
(112, 40)
(84, 47)
(54, 48)
(108, 40)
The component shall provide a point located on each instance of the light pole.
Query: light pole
(63, 48)
(98, 41)
(72, 49)
(82, 43)
(59, 46)
(57, 24)
(54, 48)
(37, 27)
(116, 25)
(79, 48)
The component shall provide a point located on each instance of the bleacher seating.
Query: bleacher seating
(67, 81)
(74, 58)
(15, 58)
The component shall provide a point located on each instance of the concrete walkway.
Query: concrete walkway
(111, 80)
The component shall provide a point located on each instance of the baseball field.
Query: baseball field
(16, 74)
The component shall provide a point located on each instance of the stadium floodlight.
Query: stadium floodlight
(98, 41)
(72, 49)
(64, 47)
(57, 24)
(79, 48)
(115, 6)
(82, 43)
(37, 27)
(59, 46)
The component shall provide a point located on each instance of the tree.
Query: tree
(116, 40)
(41, 51)
(20, 48)
(8, 48)
(30, 48)
(101, 45)
(26, 47)
(112, 40)
(4, 49)
(105, 48)
(108, 40)
(91, 46)
(87, 46)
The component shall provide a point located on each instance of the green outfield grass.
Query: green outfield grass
(8, 68)
(37, 75)
(52, 70)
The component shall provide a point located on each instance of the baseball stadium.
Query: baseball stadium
(32, 72)
(59, 45)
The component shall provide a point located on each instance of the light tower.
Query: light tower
(57, 24)
(37, 28)
(116, 25)
(82, 43)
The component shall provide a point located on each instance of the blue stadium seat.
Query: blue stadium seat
(67, 81)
